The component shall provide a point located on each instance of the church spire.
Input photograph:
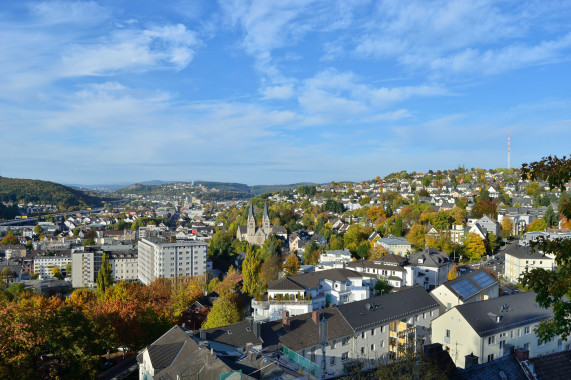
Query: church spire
(266, 218)
(251, 212)
(251, 229)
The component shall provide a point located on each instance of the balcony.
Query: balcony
(263, 305)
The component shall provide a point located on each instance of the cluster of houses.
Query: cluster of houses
(465, 319)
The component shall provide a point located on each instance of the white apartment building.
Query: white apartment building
(163, 258)
(428, 268)
(85, 265)
(518, 258)
(124, 265)
(312, 291)
(43, 265)
(489, 329)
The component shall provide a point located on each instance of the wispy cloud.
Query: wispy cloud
(140, 50)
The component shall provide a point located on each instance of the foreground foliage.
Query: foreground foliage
(70, 335)
(552, 286)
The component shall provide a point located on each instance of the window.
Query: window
(490, 357)
(492, 339)
(447, 333)
(372, 347)
(518, 332)
(333, 344)
(362, 350)
(345, 356)
(382, 343)
(372, 332)
(526, 346)
(418, 317)
(364, 335)
(502, 343)
(526, 330)
(332, 360)
(345, 341)
(432, 313)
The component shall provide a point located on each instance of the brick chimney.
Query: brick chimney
(522, 355)
(315, 317)
(285, 320)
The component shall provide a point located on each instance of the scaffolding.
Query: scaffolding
(307, 364)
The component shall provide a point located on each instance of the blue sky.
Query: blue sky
(264, 92)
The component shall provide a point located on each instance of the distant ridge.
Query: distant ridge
(227, 190)
(15, 190)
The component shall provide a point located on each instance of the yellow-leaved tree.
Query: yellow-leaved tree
(474, 247)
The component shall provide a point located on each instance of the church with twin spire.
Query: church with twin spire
(252, 233)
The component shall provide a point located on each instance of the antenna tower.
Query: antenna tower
(509, 167)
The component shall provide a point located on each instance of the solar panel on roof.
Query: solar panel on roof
(464, 288)
(483, 279)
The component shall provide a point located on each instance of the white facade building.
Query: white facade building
(161, 258)
(312, 291)
(43, 265)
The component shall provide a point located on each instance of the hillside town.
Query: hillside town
(318, 281)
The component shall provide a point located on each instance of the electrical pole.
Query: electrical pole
(323, 344)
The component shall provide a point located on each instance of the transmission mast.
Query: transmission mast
(509, 166)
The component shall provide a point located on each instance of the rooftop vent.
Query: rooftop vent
(504, 308)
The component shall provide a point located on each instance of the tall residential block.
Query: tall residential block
(174, 260)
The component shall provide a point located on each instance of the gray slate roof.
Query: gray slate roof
(491, 370)
(432, 258)
(523, 252)
(237, 334)
(368, 264)
(304, 333)
(522, 309)
(175, 353)
(394, 241)
(388, 308)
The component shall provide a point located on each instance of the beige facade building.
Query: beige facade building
(521, 257)
(488, 330)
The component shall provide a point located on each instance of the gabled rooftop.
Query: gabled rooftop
(504, 313)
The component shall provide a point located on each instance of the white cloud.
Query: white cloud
(139, 50)
(73, 12)
(334, 95)
(494, 61)
(278, 92)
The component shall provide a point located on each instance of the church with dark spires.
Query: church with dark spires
(254, 234)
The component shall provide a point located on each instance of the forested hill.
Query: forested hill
(215, 191)
(44, 192)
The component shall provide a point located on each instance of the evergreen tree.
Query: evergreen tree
(250, 272)
(105, 275)
(550, 217)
